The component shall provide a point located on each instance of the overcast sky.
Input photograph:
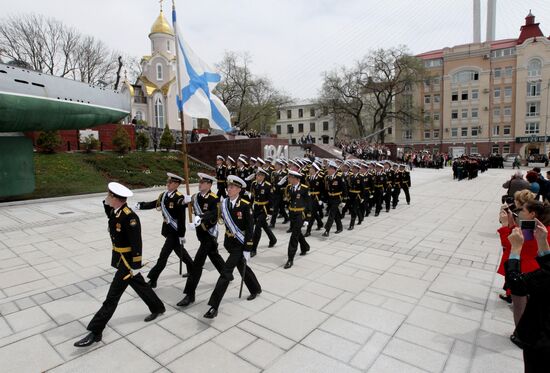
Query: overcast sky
(292, 42)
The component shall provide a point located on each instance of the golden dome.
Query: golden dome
(161, 25)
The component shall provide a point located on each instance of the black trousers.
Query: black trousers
(143, 290)
(536, 360)
(278, 207)
(235, 259)
(355, 208)
(316, 215)
(172, 243)
(367, 202)
(296, 236)
(260, 222)
(333, 214)
(208, 248)
(387, 198)
(378, 197)
(406, 191)
(395, 195)
(221, 190)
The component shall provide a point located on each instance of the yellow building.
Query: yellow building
(489, 97)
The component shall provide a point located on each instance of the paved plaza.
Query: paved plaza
(413, 290)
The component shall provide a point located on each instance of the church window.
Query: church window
(159, 71)
(159, 113)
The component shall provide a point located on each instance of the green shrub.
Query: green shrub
(121, 140)
(167, 139)
(90, 143)
(142, 141)
(48, 141)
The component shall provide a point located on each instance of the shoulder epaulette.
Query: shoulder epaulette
(246, 202)
(267, 183)
(178, 193)
(214, 195)
(304, 186)
(127, 210)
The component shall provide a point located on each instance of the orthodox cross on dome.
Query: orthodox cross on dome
(160, 2)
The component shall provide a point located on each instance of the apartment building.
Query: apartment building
(488, 97)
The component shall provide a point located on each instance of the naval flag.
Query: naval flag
(197, 82)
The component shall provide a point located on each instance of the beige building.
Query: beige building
(489, 97)
(298, 121)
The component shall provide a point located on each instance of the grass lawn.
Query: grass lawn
(64, 174)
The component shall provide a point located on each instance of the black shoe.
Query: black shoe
(289, 230)
(325, 234)
(518, 342)
(304, 252)
(307, 234)
(272, 226)
(285, 221)
(253, 253)
(393, 207)
(339, 231)
(187, 300)
(387, 210)
(319, 227)
(506, 298)
(212, 312)
(153, 316)
(408, 203)
(88, 340)
(253, 295)
(185, 275)
(376, 213)
(272, 243)
(360, 221)
(350, 228)
(288, 264)
(152, 283)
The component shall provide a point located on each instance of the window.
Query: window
(278, 114)
(436, 134)
(475, 94)
(532, 127)
(289, 114)
(473, 149)
(278, 129)
(464, 114)
(312, 127)
(505, 148)
(496, 92)
(533, 109)
(497, 72)
(464, 95)
(496, 112)
(407, 134)
(507, 111)
(139, 115)
(503, 52)
(436, 116)
(437, 98)
(475, 131)
(533, 89)
(289, 128)
(433, 63)
(465, 76)
(427, 134)
(435, 81)
(312, 112)
(464, 131)
(507, 91)
(506, 130)
(475, 113)
(496, 130)
(159, 71)
(508, 71)
(300, 127)
(534, 68)
(293, 142)
(454, 114)
(300, 113)
(454, 132)
(168, 45)
(495, 149)
(427, 118)
(427, 83)
(454, 96)
(427, 99)
(159, 113)
(389, 130)
(325, 126)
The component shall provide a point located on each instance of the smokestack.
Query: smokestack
(491, 19)
(477, 21)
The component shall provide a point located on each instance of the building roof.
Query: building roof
(530, 29)
(161, 25)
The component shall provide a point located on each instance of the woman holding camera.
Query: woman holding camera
(533, 328)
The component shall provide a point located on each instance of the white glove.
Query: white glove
(182, 240)
(246, 255)
(320, 203)
(136, 206)
(191, 226)
(341, 205)
(305, 224)
(247, 194)
(197, 220)
(186, 198)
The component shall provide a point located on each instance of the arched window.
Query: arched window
(168, 45)
(534, 68)
(159, 71)
(159, 113)
(465, 76)
(139, 115)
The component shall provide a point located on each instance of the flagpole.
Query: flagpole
(184, 137)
